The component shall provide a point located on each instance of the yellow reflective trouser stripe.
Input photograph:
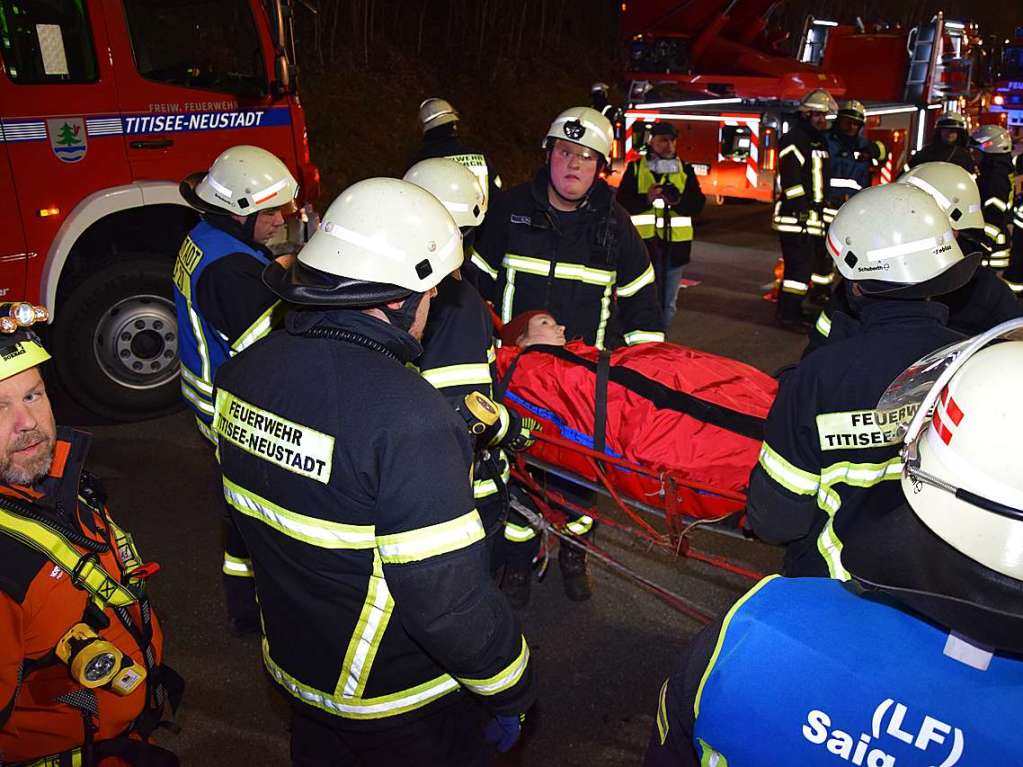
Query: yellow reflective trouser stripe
(482, 488)
(792, 149)
(662, 713)
(362, 649)
(480, 263)
(92, 577)
(504, 679)
(518, 533)
(792, 478)
(1015, 287)
(643, 337)
(822, 279)
(823, 325)
(633, 287)
(458, 375)
(794, 191)
(258, 329)
(72, 758)
(721, 639)
(828, 499)
(992, 231)
(580, 526)
(356, 707)
(315, 532)
(794, 286)
(431, 541)
(709, 757)
(237, 566)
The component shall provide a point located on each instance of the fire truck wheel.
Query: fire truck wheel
(115, 341)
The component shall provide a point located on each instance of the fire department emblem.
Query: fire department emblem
(68, 138)
(574, 129)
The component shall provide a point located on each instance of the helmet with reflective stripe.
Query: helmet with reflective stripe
(818, 100)
(435, 112)
(894, 239)
(949, 119)
(584, 126)
(381, 240)
(243, 180)
(20, 347)
(972, 444)
(953, 188)
(852, 109)
(599, 88)
(991, 139)
(454, 185)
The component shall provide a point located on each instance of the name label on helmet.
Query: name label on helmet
(292, 446)
(863, 428)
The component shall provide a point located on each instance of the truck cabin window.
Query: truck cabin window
(46, 41)
(207, 44)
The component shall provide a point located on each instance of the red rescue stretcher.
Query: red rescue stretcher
(669, 434)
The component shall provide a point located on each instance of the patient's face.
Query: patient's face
(543, 329)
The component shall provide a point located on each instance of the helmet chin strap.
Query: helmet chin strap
(404, 315)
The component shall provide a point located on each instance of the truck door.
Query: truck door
(198, 83)
(58, 117)
(12, 237)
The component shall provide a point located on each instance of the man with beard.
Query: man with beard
(80, 647)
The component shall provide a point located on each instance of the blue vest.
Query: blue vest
(807, 673)
(850, 161)
(201, 346)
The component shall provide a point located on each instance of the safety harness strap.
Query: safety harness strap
(600, 401)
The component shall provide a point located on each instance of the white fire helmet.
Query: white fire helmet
(963, 469)
(991, 139)
(818, 100)
(454, 185)
(584, 126)
(853, 109)
(435, 112)
(895, 239)
(387, 231)
(950, 119)
(953, 188)
(247, 179)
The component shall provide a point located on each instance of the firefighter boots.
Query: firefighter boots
(574, 577)
(515, 587)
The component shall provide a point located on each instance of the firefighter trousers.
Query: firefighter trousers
(453, 735)
(1013, 276)
(518, 551)
(799, 252)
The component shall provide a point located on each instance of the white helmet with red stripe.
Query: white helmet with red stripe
(895, 239)
(247, 179)
(963, 472)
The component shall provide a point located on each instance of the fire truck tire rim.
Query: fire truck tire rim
(136, 343)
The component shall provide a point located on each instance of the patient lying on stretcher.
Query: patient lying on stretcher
(668, 408)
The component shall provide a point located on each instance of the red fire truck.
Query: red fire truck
(1008, 95)
(713, 68)
(105, 105)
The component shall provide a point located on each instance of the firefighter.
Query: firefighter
(980, 304)
(560, 242)
(829, 456)
(801, 213)
(80, 676)
(438, 122)
(993, 146)
(927, 644)
(346, 473)
(1013, 276)
(458, 349)
(852, 154)
(223, 307)
(663, 195)
(948, 144)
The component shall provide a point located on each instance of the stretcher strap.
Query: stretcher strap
(661, 396)
(600, 401)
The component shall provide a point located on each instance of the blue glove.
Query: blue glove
(504, 730)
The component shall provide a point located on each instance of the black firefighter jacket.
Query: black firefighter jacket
(580, 266)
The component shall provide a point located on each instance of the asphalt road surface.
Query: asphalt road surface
(599, 663)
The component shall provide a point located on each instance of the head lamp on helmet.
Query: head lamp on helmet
(895, 240)
(584, 126)
(381, 240)
(20, 347)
